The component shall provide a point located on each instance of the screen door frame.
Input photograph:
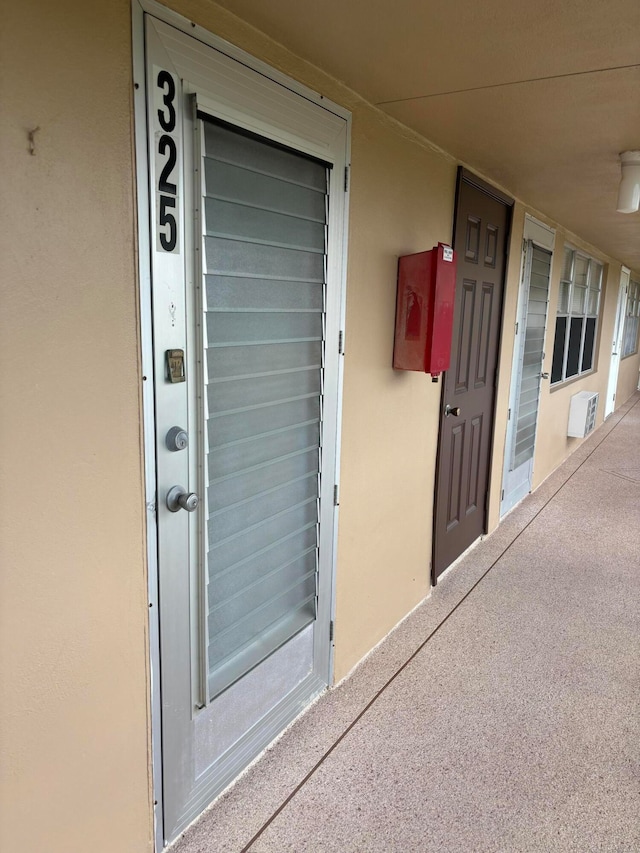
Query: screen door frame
(535, 234)
(140, 7)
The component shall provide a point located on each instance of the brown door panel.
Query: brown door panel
(480, 240)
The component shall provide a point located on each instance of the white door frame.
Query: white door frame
(616, 345)
(541, 235)
(146, 317)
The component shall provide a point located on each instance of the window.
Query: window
(577, 317)
(631, 320)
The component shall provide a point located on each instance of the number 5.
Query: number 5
(168, 241)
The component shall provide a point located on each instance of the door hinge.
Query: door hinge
(509, 415)
(502, 495)
(331, 631)
(340, 342)
(517, 327)
(336, 502)
(346, 179)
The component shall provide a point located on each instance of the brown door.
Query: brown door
(481, 230)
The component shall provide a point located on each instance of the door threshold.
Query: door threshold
(460, 558)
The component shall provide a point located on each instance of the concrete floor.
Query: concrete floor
(502, 715)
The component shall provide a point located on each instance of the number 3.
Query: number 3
(167, 123)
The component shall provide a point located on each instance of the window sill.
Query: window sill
(558, 385)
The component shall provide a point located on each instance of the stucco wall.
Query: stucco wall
(73, 725)
(628, 378)
(402, 202)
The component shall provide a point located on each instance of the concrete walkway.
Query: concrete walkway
(502, 715)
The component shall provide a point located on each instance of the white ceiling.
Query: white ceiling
(540, 97)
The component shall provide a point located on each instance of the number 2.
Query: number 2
(164, 185)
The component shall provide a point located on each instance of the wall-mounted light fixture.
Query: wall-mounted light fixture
(629, 189)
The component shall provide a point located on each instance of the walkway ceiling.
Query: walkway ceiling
(539, 96)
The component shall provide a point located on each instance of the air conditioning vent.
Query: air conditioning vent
(582, 413)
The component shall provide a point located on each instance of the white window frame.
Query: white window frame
(631, 320)
(594, 267)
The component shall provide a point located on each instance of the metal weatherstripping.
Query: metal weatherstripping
(264, 272)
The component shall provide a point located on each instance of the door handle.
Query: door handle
(178, 498)
(451, 410)
(544, 375)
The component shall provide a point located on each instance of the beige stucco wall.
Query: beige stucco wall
(74, 723)
(73, 718)
(402, 202)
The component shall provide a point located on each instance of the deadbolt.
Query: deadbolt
(179, 498)
(451, 410)
(177, 439)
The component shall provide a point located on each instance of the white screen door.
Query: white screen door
(247, 220)
(616, 346)
(533, 301)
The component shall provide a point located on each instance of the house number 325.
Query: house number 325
(166, 161)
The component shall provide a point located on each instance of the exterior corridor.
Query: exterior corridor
(501, 715)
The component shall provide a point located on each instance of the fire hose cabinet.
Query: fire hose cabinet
(424, 310)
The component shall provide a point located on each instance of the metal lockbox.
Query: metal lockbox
(424, 310)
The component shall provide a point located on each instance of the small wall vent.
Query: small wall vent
(582, 413)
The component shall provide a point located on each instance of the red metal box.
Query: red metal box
(424, 310)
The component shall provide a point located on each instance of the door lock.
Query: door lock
(178, 498)
(451, 410)
(177, 439)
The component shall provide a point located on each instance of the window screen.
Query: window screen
(577, 316)
(264, 262)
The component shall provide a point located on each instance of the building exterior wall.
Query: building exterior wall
(75, 723)
(74, 709)
(401, 202)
